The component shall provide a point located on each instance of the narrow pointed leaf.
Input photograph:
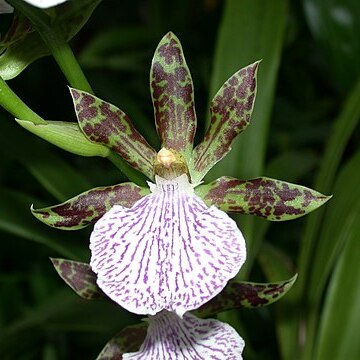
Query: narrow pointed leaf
(79, 277)
(89, 206)
(239, 294)
(127, 340)
(272, 199)
(230, 112)
(67, 136)
(173, 96)
(105, 124)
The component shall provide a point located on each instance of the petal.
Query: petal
(240, 294)
(105, 124)
(172, 94)
(272, 199)
(169, 251)
(169, 337)
(44, 4)
(230, 111)
(89, 206)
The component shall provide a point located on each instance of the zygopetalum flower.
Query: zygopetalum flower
(171, 337)
(168, 336)
(171, 246)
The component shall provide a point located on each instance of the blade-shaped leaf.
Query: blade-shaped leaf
(272, 199)
(127, 340)
(67, 136)
(239, 294)
(105, 124)
(230, 111)
(173, 96)
(89, 206)
(79, 277)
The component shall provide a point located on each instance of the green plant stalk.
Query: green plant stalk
(15, 106)
(56, 43)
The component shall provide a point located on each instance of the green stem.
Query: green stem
(127, 170)
(15, 106)
(56, 43)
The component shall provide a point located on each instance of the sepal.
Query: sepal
(272, 199)
(89, 206)
(240, 294)
(172, 93)
(103, 123)
(230, 112)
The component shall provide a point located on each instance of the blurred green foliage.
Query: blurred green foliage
(305, 130)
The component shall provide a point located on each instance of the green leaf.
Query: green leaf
(336, 229)
(172, 94)
(336, 25)
(230, 111)
(238, 294)
(26, 46)
(89, 206)
(249, 30)
(242, 39)
(128, 340)
(272, 199)
(66, 136)
(79, 277)
(340, 323)
(105, 124)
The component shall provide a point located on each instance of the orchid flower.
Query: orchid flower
(44, 4)
(171, 246)
(168, 336)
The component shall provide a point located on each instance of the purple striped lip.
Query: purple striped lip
(168, 251)
(188, 338)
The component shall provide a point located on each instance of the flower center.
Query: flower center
(170, 164)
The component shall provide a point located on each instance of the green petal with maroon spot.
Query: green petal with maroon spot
(274, 200)
(104, 123)
(238, 294)
(172, 94)
(128, 340)
(89, 206)
(230, 112)
(79, 277)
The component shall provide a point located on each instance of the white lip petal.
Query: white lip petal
(169, 251)
(5, 8)
(44, 4)
(169, 337)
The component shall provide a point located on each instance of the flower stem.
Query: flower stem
(15, 106)
(56, 43)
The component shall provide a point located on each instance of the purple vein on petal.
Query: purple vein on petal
(172, 337)
(169, 251)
